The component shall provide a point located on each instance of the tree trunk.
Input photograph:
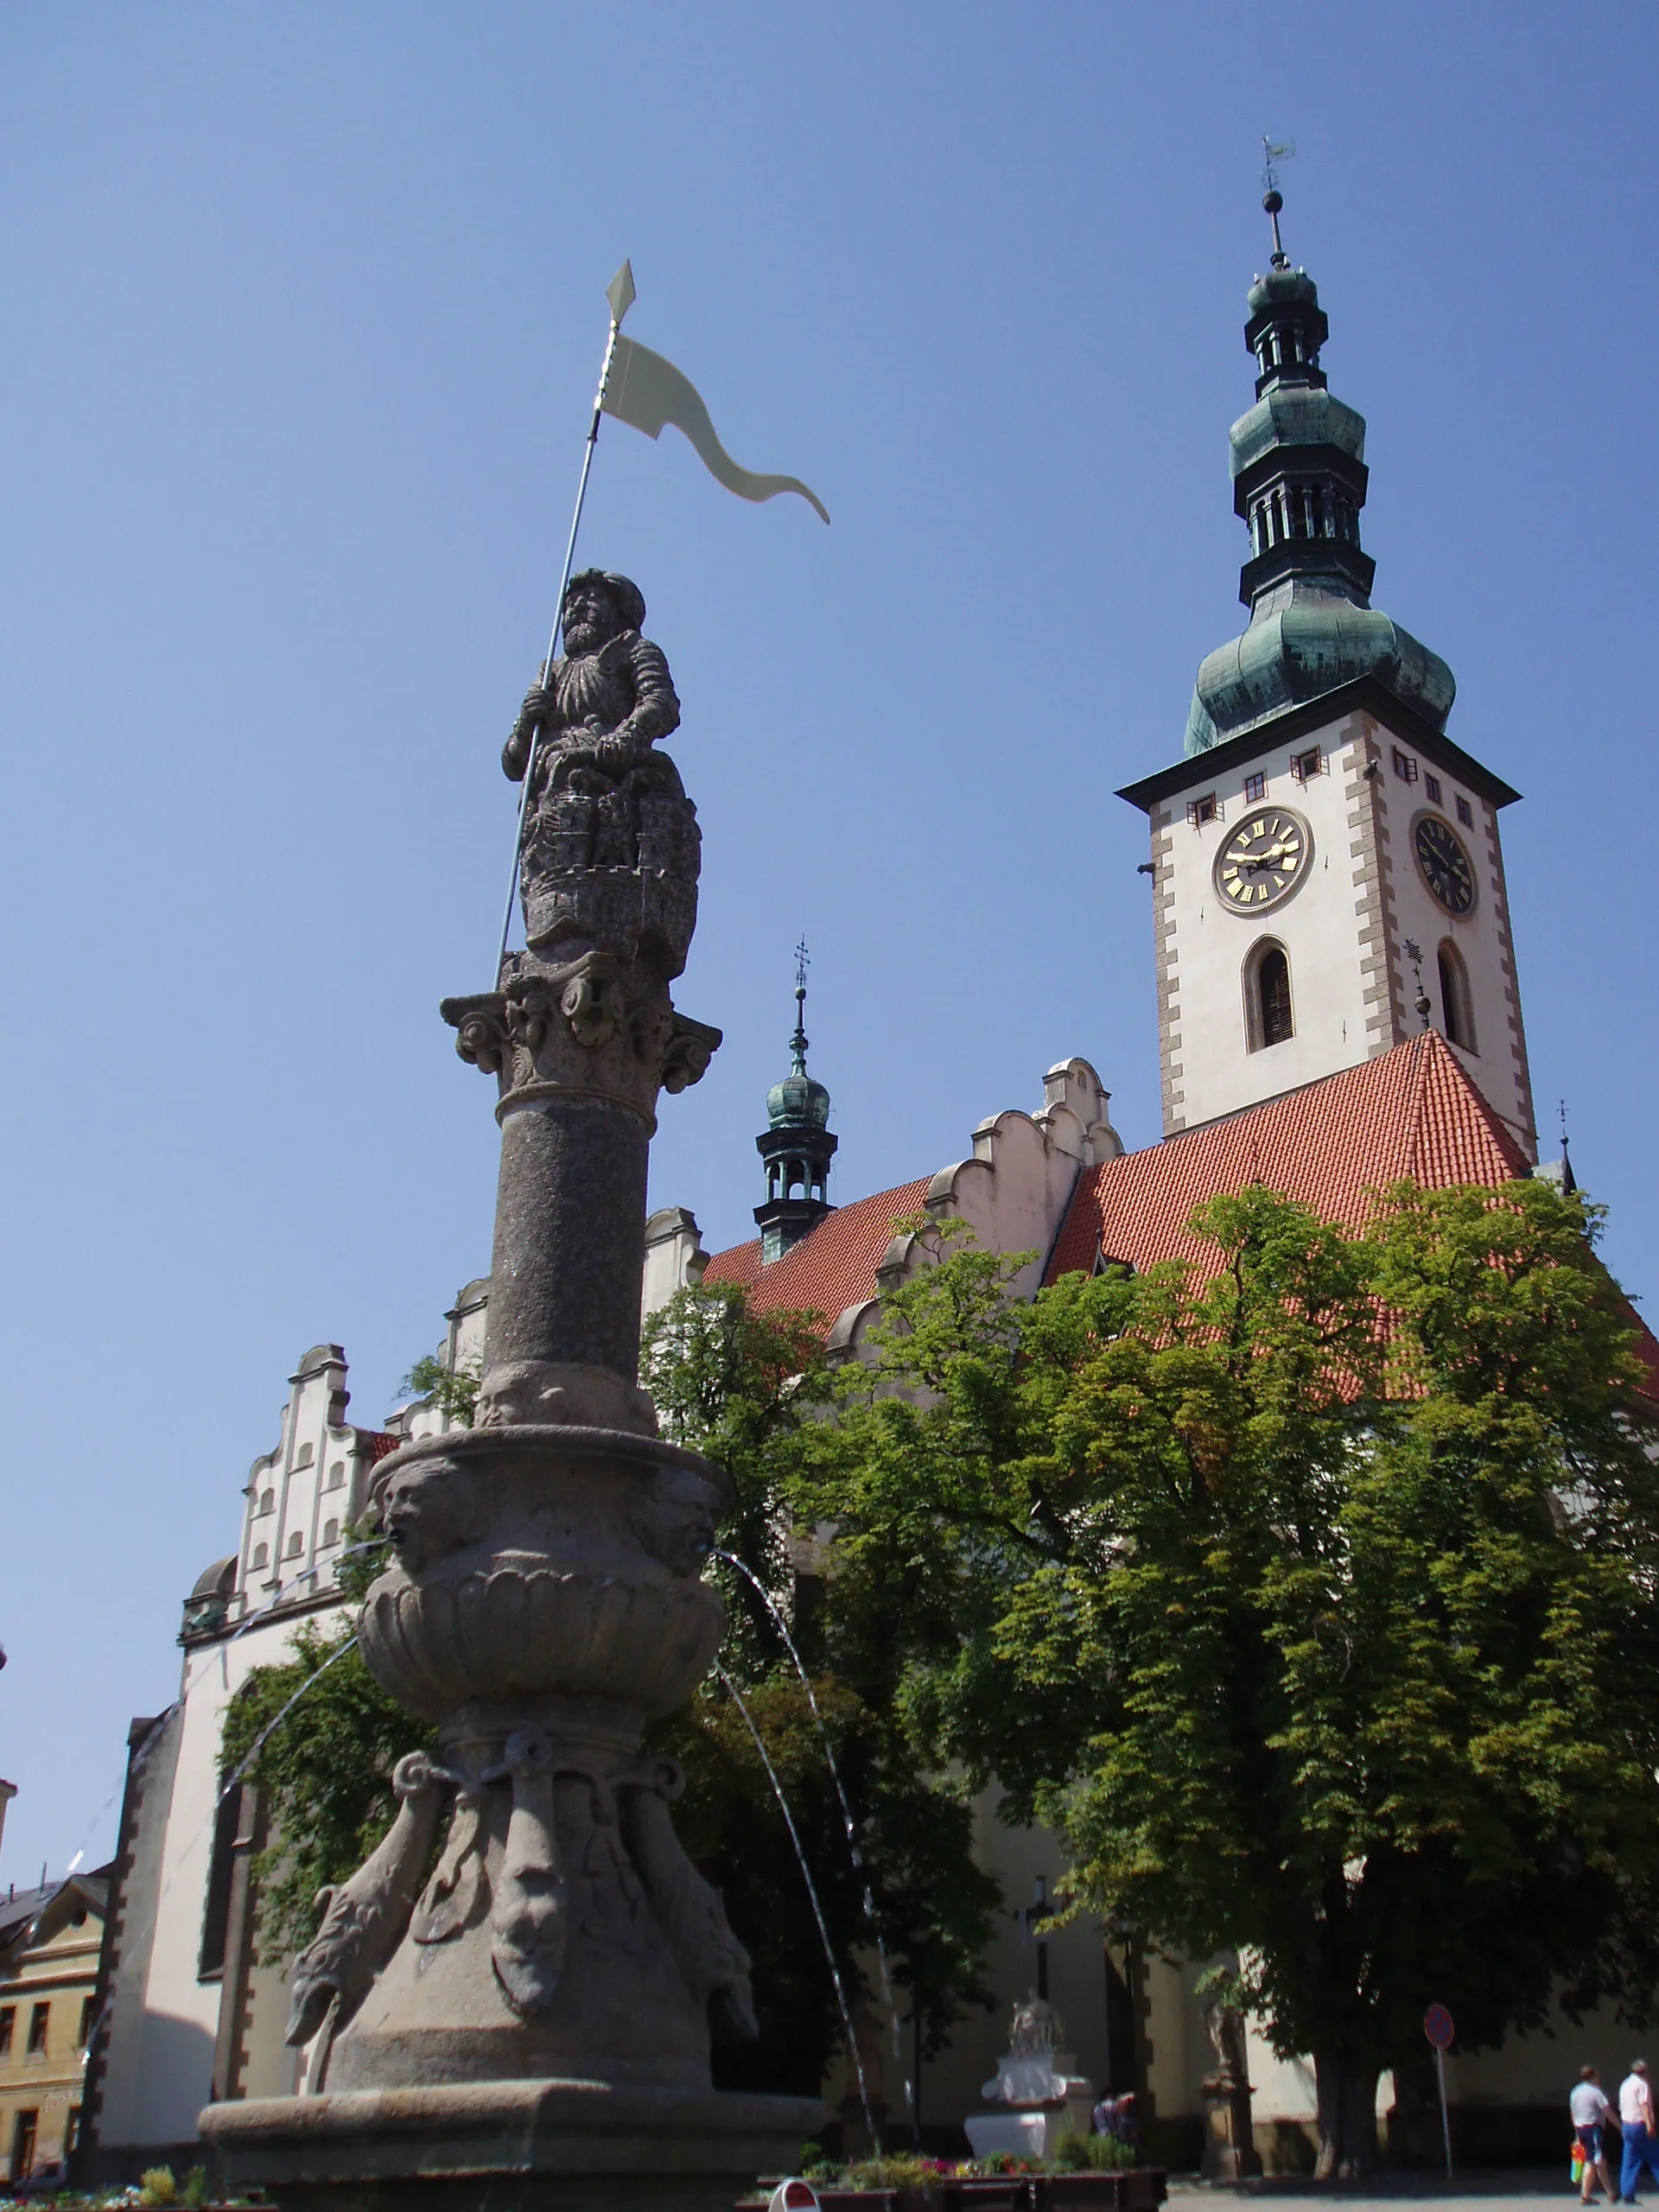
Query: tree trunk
(1347, 2101)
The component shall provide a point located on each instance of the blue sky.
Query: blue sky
(301, 312)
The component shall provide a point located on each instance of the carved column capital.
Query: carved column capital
(600, 1026)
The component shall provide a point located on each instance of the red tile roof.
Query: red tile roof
(1413, 1112)
(833, 1265)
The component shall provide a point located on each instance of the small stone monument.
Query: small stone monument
(525, 2023)
(1229, 2151)
(1038, 2095)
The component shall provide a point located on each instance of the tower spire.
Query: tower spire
(796, 1145)
(1300, 482)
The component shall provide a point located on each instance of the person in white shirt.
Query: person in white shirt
(1589, 2107)
(1636, 2121)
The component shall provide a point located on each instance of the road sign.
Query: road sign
(1438, 2027)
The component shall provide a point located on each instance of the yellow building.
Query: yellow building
(49, 1941)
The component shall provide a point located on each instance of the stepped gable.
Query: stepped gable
(1413, 1112)
(833, 1265)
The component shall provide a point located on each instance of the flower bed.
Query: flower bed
(1136, 2188)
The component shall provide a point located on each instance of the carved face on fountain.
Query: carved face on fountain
(674, 1518)
(427, 1510)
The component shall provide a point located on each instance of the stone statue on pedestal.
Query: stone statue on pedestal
(1038, 2092)
(531, 2012)
(1229, 2151)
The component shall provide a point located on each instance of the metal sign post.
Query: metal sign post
(1438, 2027)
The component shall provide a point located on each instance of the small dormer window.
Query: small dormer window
(268, 1502)
(1200, 811)
(1404, 766)
(1432, 790)
(1304, 766)
(337, 1475)
(261, 1558)
(1465, 813)
(331, 1532)
(1255, 787)
(296, 1543)
(304, 1456)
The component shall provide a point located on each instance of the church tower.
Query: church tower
(796, 1145)
(1327, 868)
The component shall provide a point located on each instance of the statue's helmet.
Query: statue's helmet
(622, 592)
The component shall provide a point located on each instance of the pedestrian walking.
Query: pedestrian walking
(1589, 2106)
(1636, 2122)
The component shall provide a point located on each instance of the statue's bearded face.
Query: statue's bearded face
(591, 618)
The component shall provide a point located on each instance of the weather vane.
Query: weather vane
(1276, 151)
(1415, 954)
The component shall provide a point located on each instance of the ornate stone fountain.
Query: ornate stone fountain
(526, 2023)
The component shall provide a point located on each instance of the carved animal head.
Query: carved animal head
(674, 1516)
(598, 607)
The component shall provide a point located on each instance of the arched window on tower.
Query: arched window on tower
(1457, 1011)
(1267, 1016)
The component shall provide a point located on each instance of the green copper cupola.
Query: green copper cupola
(796, 1145)
(1298, 485)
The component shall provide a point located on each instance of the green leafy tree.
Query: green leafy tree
(453, 1390)
(320, 1738)
(1314, 1603)
(744, 1388)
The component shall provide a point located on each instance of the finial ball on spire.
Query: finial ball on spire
(1273, 202)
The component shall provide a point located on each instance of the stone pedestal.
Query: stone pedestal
(510, 2146)
(526, 2023)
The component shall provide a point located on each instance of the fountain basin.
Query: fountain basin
(561, 2146)
(539, 1562)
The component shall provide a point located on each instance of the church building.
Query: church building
(1338, 1007)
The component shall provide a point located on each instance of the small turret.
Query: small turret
(796, 1145)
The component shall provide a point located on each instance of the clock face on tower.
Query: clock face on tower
(1446, 868)
(1264, 859)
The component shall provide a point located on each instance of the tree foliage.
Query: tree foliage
(453, 1390)
(1314, 1603)
(745, 1388)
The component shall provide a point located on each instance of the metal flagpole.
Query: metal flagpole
(620, 295)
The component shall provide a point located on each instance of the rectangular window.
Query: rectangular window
(1255, 787)
(1432, 790)
(1466, 814)
(23, 2144)
(72, 2130)
(8, 2023)
(85, 2023)
(1304, 766)
(221, 1863)
(1404, 766)
(38, 2018)
(1200, 811)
